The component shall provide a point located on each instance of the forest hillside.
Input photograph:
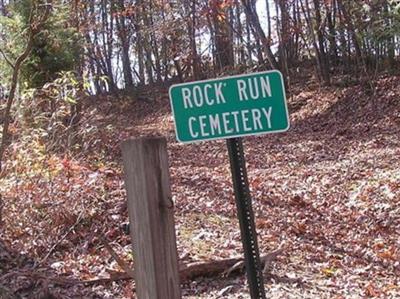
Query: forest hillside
(78, 78)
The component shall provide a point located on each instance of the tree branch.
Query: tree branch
(7, 59)
(34, 28)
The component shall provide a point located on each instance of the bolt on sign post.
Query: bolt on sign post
(229, 108)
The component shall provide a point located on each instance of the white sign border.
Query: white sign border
(224, 78)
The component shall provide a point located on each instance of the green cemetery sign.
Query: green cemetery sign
(228, 107)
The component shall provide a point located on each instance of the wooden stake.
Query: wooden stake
(150, 209)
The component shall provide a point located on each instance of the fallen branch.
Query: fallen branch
(116, 276)
(225, 267)
(186, 272)
(7, 59)
(211, 268)
(78, 220)
(194, 270)
(265, 260)
(283, 279)
(124, 265)
(40, 275)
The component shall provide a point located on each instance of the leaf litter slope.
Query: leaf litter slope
(327, 192)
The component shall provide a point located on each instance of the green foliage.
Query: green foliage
(394, 14)
(379, 21)
(56, 48)
(49, 112)
(12, 41)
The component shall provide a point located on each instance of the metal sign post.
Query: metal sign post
(229, 108)
(246, 218)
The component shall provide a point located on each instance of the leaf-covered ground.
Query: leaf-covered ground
(327, 192)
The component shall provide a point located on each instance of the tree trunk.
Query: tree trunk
(190, 8)
(331, 16)
(123, 35)
(322, 53)
(319, 59)
(107, 36)
(259, 32)
(154, 45)
(35, 27)
(139, 41)
(223, 44)
(241, 54)
(352, 32)
(146, 44)
(248, 44)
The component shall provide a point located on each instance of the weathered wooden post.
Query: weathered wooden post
(150, 209)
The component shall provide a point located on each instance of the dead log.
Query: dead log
(224, 267)
(191, 271)
(206, 269)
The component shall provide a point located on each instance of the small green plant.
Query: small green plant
(53, 111)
